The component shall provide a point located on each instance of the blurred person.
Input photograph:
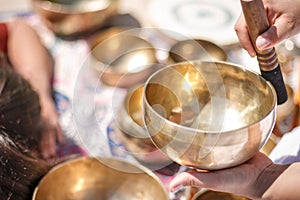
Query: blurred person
(259, 177)
(25, 53)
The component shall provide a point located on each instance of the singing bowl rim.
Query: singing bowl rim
(136, 166)
(194, 130)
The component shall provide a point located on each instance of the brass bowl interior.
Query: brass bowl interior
(99, 178)
(135, 105)
(123, 59)
(124, 53)
(184, 94)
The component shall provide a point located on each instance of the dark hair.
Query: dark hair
(19, 109)
(20, 169)
(20, 130)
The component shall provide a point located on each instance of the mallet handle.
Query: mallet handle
(257, 22)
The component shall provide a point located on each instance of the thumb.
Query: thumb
(268, 39)
(275, 34)
(204, 179)
(184, 179)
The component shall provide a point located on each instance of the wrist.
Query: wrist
(48, 107)
(266, 179)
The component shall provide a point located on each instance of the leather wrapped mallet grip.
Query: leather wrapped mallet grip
(257, 22)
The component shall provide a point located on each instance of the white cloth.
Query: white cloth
(288, 148)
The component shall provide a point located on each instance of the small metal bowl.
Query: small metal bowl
(74, 17)
(99, 178)
(196, 49)
(209, 115)
(123, 58)
(133, 132)
(286, 115)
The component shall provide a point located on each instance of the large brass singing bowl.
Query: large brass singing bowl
(208, 115)
(99, 178)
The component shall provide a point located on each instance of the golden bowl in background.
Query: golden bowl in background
(286, 118)
(209, 115)
(123, 59)
(74, 17)
(133, 132)
(99, 178)
(196, 49)
(214, 195)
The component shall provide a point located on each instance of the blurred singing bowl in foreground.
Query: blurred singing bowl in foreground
(123, 59)
(74, 17)
(133, 132)
(208, 115)
(214, 195)
(99, 178)
(196, 49)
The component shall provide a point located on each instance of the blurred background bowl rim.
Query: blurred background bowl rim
(196, 41)
(107, 33)
(59, 8)
(204, 191)
(274, 104)
(109, 65)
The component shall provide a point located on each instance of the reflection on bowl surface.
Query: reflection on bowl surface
(208, 115)
(99, 178)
